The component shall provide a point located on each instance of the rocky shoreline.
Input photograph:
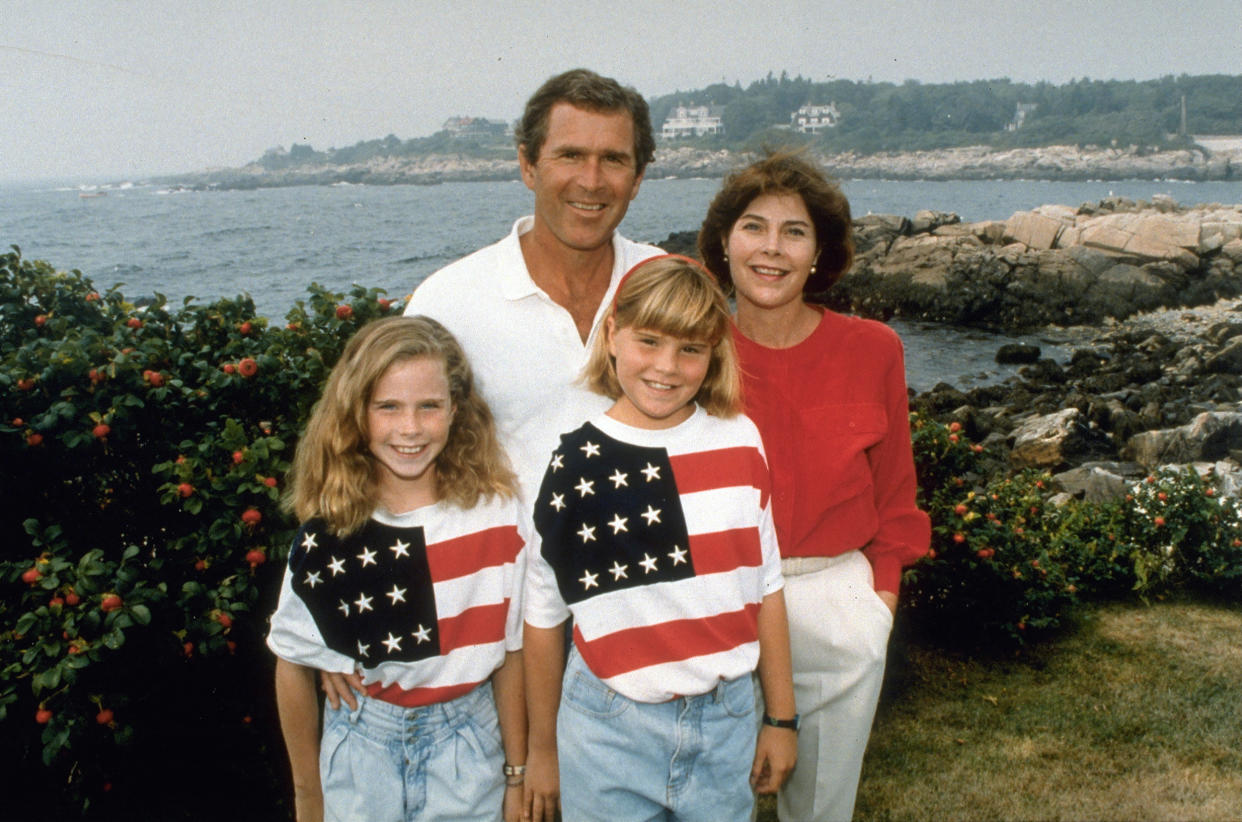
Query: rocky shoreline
(1153, 290)
(1062, 163)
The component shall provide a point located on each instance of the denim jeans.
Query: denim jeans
(385, 763)
(624, 761)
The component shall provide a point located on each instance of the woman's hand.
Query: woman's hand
(543, 787)
(338, 688)
(775, 755)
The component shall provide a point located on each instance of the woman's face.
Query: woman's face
(771, 248)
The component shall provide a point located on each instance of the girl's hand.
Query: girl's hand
(543, 787)
(308, 806)
(775, 755)
(514, 803)
(338, 688)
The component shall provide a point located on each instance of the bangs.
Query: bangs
(687, 307)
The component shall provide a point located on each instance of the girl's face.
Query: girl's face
(659, 375)
(408, 418)
(771, 249)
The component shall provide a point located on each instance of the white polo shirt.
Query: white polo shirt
(523, 347)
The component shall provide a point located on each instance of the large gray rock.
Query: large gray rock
(1050, 440)
(1097, 481)
(1210, 436)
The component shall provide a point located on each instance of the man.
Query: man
(525, 308)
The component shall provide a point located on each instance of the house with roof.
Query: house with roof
(692, 121)
(812, 118)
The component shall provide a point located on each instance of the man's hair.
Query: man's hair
(673, 295)
(782, 172)
(587, 90)
(333, 474)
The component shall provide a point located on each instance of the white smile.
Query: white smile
(409, 450)
(659, 386)
(588, 206)
(768, 272)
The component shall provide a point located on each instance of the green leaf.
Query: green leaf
(141, 614)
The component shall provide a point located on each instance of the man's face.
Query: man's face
(585, 176)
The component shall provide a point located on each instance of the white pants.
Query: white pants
(838, 631)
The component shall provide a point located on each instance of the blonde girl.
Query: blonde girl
(404, 577)
(654, 535)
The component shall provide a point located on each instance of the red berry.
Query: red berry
(954, 427)
(25, 384)
(245, 328)
(200, 565)
(31, 576)
(40, 320)
(251, 517)
(953, 438)
(1159, 521)
(72, 598)
(96, 376)
(185, 489)
(56, 602)
(104, 717)
(134, 322)
(17, 422)
(228, 368)
(960, 509)
(110, 603)
(1162, 496)
(102, 430)
(43, 716)
(188, 648)
(238, 457)
(248, 367)
(232, 646)
(270, 482)
(255, 557)
(383, 304)
(1211, 492)
(92, 297)
(225, 620)
(154, 377)
(344, 312)
(959, 538)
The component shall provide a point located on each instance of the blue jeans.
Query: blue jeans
(624, 761)
(385, 763)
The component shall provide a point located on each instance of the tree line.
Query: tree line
(906, 116)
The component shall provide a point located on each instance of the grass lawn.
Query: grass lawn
(1136, 715)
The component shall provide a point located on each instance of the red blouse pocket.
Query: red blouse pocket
(834, 454)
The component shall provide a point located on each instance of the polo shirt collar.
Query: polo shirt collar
(515, 279)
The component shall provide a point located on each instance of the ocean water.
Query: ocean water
(273, 243)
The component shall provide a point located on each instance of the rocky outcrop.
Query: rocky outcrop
(967, 163)
(1052, 265)
(1131, 397)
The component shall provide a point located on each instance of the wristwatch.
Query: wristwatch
(791, 724)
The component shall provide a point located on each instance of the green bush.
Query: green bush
(145, 450)
(1006, 566)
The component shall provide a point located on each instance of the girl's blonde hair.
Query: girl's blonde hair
(673, 295)
(333, 475)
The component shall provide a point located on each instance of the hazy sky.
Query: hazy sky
(117, 90)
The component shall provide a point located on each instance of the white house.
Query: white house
(692, 121)
(813, 118)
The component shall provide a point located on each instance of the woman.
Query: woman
(828, 393)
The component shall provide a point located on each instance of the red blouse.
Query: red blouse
(834, 416)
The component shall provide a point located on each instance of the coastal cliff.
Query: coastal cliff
(968, 163)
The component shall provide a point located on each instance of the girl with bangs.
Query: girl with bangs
(653, 532)
(404, 582)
